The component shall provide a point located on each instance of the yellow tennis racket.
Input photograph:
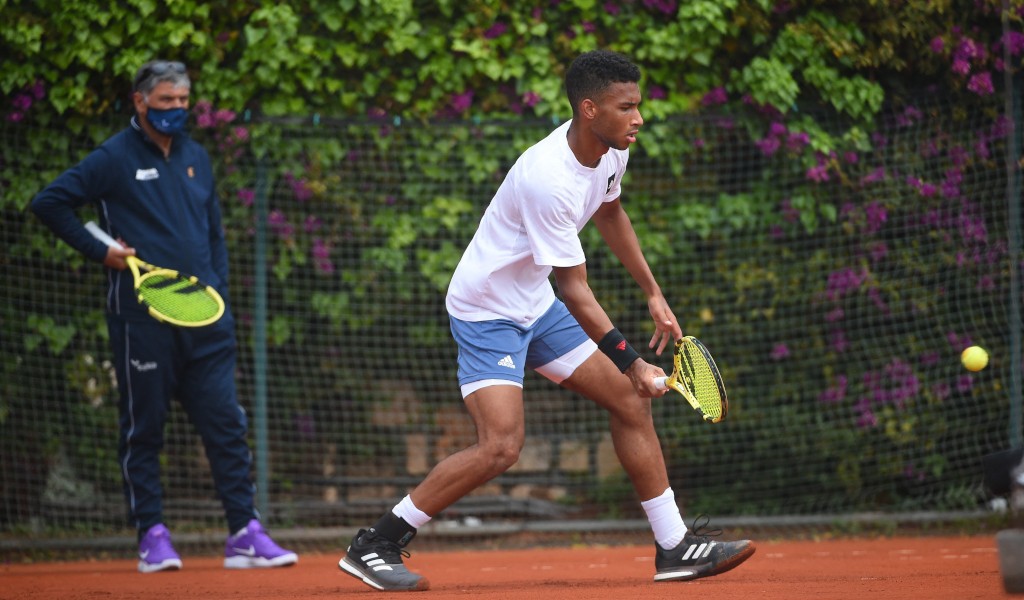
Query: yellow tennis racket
(170, 296)
(696, 377)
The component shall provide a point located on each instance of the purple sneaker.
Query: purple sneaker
(156, 552)
(252, 548)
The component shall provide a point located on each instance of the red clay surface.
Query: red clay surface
(862, 569)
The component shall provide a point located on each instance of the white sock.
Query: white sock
(667, 523)
(415, 517)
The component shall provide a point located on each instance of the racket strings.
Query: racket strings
(178, 298)
(701, 379)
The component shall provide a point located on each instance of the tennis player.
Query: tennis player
(506, 318)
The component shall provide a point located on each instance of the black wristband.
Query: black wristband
(615, 347)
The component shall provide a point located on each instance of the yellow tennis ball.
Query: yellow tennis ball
(974, 358)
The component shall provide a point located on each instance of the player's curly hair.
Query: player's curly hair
(592, 72)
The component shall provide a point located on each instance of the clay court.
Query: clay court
(878, 568)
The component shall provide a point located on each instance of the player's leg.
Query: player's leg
(497, 413)
(680, 554)
(143, 361)
(207, 393)
(491, 359)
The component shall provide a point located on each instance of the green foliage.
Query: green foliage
(306, 108)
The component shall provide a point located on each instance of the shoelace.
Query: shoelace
(701, 528)
(390, 550)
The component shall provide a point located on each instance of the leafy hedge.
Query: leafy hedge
(314, 101)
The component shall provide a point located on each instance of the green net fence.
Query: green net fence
(835, 289)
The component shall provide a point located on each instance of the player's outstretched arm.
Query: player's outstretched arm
(616, 228)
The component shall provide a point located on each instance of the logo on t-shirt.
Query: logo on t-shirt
(611, 180)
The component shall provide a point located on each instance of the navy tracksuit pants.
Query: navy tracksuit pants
(156, 362)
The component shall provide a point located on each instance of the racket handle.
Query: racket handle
(101, 235)
(659, 382)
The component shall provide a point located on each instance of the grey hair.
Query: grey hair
(156, 72)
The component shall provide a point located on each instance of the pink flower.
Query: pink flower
(246, 196)
(461, 102)
(224, 116)
(714, 97)
(779, 351)
(981, 84)
(937, 44)
(495, 30)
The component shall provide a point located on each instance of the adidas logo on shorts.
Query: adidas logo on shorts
(507, 362)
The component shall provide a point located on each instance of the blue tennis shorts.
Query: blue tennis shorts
(499, 351)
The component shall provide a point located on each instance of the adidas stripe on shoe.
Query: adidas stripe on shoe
(377, 562)
(700, 556)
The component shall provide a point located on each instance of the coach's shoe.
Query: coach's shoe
(377, 562)
(252, 548)
(699, 556)
(156, 552)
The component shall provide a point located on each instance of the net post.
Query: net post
(1014, 164)
(259, 351)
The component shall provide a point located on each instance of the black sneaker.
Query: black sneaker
(699, 556)
(377, 562)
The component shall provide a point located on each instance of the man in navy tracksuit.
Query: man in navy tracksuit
(153, 187)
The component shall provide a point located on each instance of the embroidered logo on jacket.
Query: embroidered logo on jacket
(142, 367)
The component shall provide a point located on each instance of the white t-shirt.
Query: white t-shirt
(531, 225)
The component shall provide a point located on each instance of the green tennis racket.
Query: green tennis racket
(696, 377)
(170, 296)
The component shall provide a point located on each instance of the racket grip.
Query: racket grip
(101, 235)
(659, 382)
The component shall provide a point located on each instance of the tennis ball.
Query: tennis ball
(974, 358)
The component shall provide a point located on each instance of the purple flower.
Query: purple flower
(876, 175)
(797, 140)
(312, 224)
(656, 92)
(531, 99)
(22, 102)
(818, 173)
(961, 67)
(461, 102)
(667, 7)
(768, 146)
(246, 196)
(715, 97)
(321, 252)
(875, 215)
(937, 44)
(299, 187)
(836, 393)
(843, 281)
(38, 89)
(495, 30)
(878, 251)
(964, 384)
(779, 351)
(224, 116)
(279, 224)
(981, 84)
(837, 339)
(789, 213)
(611, 8)
(1014, 41)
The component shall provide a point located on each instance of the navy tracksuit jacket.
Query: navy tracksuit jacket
(167, 209)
